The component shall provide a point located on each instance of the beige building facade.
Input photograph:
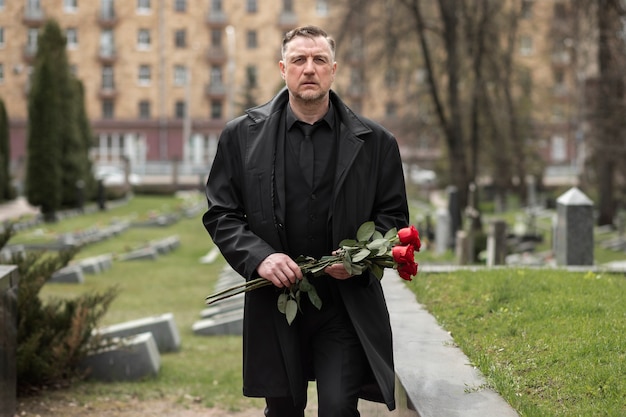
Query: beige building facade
(162, 77)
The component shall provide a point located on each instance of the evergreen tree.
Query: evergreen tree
(72, 146)
(6, 191)
(86, 138)
(45, 113)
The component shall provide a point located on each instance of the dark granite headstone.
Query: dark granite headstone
(574, 229)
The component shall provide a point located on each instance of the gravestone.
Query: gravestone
(71, 274)
(442, 231)
(162, 327)
(496, 243)
(574, 229)
(9, 279)
(130, 359)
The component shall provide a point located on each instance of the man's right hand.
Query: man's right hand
(280, 269)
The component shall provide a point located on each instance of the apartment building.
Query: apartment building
(162, 77)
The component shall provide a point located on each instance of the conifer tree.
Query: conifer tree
(86, 138)
(5, 155)
(45, 114)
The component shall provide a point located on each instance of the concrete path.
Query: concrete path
(13, 210)
(437, 376)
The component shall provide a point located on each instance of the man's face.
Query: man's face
(308, 68)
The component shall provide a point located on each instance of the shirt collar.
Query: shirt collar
(329, 117)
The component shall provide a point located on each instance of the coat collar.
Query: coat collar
(354, 124)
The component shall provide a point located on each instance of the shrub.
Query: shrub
(53, 335)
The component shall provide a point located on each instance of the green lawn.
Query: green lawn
(552, 343)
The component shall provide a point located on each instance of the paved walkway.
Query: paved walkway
(15, 209)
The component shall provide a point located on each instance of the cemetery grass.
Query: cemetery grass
(551, 343)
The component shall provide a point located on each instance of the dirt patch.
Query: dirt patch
(110, 407)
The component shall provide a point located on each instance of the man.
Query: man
(266, 209)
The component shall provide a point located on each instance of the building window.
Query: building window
(216, 76)
(558, 149)
(70, 5)
(391, 109)
(179, 109)
(180, 75)
(74, 70)
(144, 109)
(107, 43)
(251, 39)
(217, 108)
(288, 6)
(72, 38)
(1, 73)
(216, 6)
(108, 109)
(525, 45)
(180, 38)
(143, 6)
(527, 9)
(145, 74)
(251, 76)
(251, 6)
(1, 4)
(108, 78)
(31, 40)
(1, 36)
(107, 9)
(180, 5)
(321, 8)
(216, 38)
(143, 39)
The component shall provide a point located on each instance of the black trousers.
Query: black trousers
(333, 355)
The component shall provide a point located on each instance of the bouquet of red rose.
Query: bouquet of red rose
(369, 251)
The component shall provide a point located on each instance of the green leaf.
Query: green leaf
(377, 235)
(315, 299)
(347, 242)
(391, 233)
(282, 302)
(305, 285)
(362, 254)
(358, 269)
(291, 310)
(377, 270)
(377, 243)
(382, 251)
(366, 231)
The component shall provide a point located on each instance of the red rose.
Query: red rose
(403, 254)
(406, 271)
(410, 236)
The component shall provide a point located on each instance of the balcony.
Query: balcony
(216, 90)
(107, 18)
(107, 54)
(107, 92)
(33, 17)
(287, 20)
(216, 55)
(217, 19)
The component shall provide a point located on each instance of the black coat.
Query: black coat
(245, 219)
